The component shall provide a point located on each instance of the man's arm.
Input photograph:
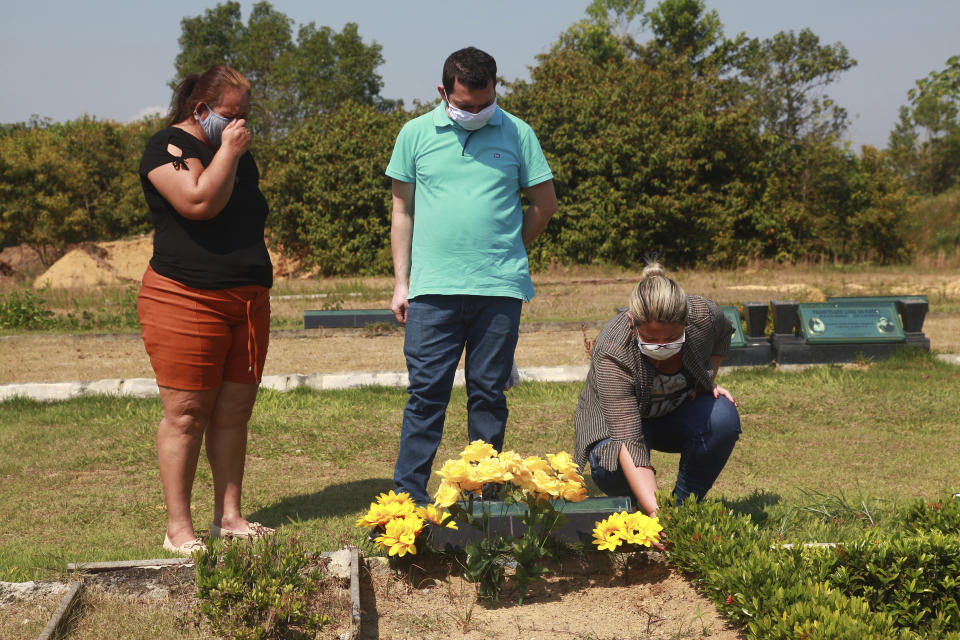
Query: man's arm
(543, 204)
(401, 238)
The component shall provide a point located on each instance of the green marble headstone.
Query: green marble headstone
(737, 338)
(850, 322)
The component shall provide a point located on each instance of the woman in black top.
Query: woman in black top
(204, 306)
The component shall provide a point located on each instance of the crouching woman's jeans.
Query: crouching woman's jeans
(703, 431)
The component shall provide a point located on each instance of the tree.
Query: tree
(329, 198)
(71, 182)
(925, 144)
(643, 159)
(605, 34)
(290, 80)
(683, 28)
(785, 75)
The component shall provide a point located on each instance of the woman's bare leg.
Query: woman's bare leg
(227, 449)
(186, 415)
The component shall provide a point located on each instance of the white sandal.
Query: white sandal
(186, 549)
(253, 530)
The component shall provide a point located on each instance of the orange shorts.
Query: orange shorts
(197, 338)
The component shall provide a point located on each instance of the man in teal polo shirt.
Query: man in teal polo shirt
(459, 236)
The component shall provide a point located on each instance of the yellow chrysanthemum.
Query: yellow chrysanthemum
(380, 513)
(436, 515)
(400, 535)
(447, 494)
(641, 529)
(402, 498)
(371, 518)
(607, 534)
(478, 450)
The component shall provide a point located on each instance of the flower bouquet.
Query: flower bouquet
(400, 522)
(634, 530)
(541, 485)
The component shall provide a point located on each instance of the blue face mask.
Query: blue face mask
(213, 126)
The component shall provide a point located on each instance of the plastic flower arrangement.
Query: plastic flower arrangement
(400, 522)
(541, 485)
(631, 528)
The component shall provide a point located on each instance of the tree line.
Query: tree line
(709, 149)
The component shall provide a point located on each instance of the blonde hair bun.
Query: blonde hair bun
(654, 269)
(657, 298)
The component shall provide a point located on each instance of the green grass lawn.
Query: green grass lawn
(823, 451)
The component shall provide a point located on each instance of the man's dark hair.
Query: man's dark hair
(475, 69)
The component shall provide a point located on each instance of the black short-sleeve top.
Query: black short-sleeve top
(225, 251)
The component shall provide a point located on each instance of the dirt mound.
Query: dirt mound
(22, 259)
(117, 263)
(97, 264)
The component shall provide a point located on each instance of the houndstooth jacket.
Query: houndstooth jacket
(617, 392)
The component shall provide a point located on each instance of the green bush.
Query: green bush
(329, 199)
(267, 588)
(24, 310)
(884, 585)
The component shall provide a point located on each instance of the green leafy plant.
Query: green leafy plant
(24, 309)
(268, 588)
(893, 584)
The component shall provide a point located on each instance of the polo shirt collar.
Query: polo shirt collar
(441, 119)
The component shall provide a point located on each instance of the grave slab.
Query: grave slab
(582, 517)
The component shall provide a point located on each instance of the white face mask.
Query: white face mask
(659, 351)
(471, 121)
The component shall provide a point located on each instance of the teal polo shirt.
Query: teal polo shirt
(467, 218)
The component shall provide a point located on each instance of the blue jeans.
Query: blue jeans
(438, 330)
(703, 431)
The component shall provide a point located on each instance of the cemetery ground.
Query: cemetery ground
(827, 453)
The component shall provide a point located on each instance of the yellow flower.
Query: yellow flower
(488, 470)
(381, 513)
(400, 535)
(455, 471)
(447, 494)
(514, 469)
(536, 463)
(641, 529)
(546, 486)
(573, 491)
(371, 518)
(402, 498)
(436, 515)
(606, 535)
(477, 450)
(562, 463)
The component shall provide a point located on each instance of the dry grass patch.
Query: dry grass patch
(25, 619)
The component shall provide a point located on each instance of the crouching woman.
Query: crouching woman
(651, 385)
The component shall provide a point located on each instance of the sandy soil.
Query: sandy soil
(577, 599)
(46, 358)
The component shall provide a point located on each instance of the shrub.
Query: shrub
(267, 588)
(882, 586)
(24, 310)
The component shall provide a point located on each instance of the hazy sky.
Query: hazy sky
(113, 58)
